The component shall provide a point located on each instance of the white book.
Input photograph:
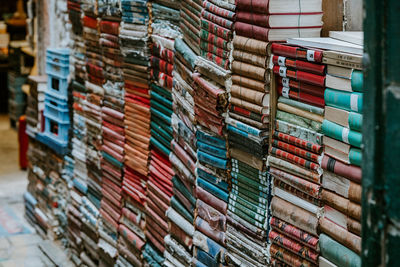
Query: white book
(327, 43)
(353, 37)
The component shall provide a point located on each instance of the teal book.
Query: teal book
(357, 81)
(337, 253)
(355, 156)
(161, 91)
(344, 100)
(355, 121)
(341, 133)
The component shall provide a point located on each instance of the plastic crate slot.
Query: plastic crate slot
(54, 127)
(55, 84)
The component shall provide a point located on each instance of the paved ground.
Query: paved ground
(20, 249)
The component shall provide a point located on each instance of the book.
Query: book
(322, 262)
(298, 75)
(342, 63)
(353, 37)
(343, 84)
(341, 204)
(337, 253)
(297, 52)
(342, 220)
(351, 120)
(302, 86)
(280, 20)
(341, 133)
(305, 98)
(327, 43)
(253, 96)
(281, 6)
(298, 64)
(342, 56)
(341, 235)
(342, 186)
(344, 100)
(339, 150)
(351, 172)
(300, 105)
(347, 73)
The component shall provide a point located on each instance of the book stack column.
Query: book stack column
(248, 129)
(212, 81)
(47, 193)
(90, 188)
(295, 154)
(165, 29)
(179, 241)
(340, 238)
(78, 157)
(135, 47)
(190, 23)
(35, 104)
(113, 134)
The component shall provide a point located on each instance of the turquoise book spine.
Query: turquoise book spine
(355, 156)
(341, 133)
(344, 100)
(355, 121)
(357, 81)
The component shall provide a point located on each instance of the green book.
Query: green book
(341, 133)
(176, 204)
(350, 101)
(355, 156)
(337, 253)
(355, 121)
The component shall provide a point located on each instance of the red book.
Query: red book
(299, 64)
(299, 75)
(351, 172)
(300, 96)
(297, 52)
(302, 87)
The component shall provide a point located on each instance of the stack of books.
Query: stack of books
(112, 149)
(248, 128)
(135, 47)
(340, 238)
(35, 104)
(190, 24)
(165, 30)
(295, 154)
(179, 241)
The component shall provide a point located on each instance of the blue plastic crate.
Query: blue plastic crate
(56, 129)
(61, 148)
(59, 69)
(57, 86)
(58, 55)
(56, 108)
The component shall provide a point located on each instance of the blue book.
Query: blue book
(215, 151)
(212, 179)
(211, 140)
(212, 189)
(211, 160)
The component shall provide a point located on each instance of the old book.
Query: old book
(299, 64)
(343, 152)
(345, 118)
(342, 63)
(342, 220)
(351, 172)
(301, 112)
(345, 57)
(337, 253)
(297, 52)
(356, 76)
(341, 235)
(341, 204)
(342, 186)
(294, 215)
(256, 97)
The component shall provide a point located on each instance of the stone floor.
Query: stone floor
(20, 249)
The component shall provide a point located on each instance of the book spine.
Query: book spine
(211, 140)
(355, 121)
(306, 98)
(303, 106)
(341, 235)
(296, 52)
(351, 172)
(301, 76)
(298, 142)
(288, 258)
(221, 153)
(341, 133)
(344, 100)
(299, 121)
(355, 156)
(244, 127)
(298, 64)
(211, 160)
(337, 253)
(357, 79)
(212, 189)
